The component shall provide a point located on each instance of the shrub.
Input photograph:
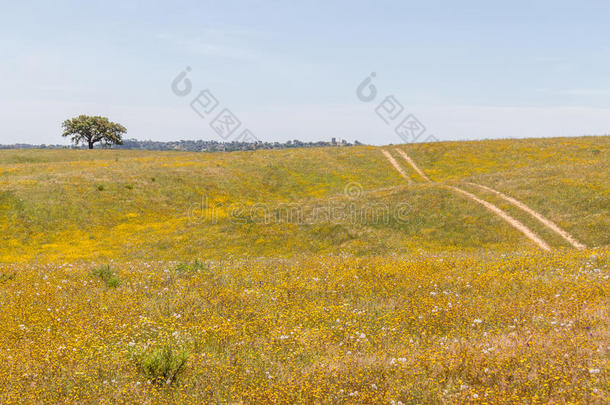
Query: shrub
(163, 365)
(188, 268)
(129, 187)
(100, 187)
(108, 276)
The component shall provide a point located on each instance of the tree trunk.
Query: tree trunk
(90, 145)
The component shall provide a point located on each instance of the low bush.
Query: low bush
(162, 365)
(108, 276)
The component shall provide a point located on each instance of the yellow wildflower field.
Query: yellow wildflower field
(520, 328)
(306, 275)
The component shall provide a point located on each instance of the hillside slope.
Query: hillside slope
(73, 204)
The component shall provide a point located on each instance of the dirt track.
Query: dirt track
(502, 214)
(412, 163)
(546, 222)
(489, 206)
(396, 165)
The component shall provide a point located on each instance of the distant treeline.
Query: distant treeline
(194, 146)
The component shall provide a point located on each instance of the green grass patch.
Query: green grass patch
(108, 276)
(162, 365)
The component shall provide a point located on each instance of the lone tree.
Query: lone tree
(92, 130)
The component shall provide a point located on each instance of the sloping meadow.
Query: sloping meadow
(58, 205)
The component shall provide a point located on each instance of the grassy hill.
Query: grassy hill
(306, 275)
(64, 204)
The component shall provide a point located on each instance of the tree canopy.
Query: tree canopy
(91, 130)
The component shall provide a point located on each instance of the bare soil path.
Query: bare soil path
(502, 214)
(396, 165)
(412, 163)
(544, 221)
(489, 206)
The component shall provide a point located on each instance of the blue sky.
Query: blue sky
(466, 70)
